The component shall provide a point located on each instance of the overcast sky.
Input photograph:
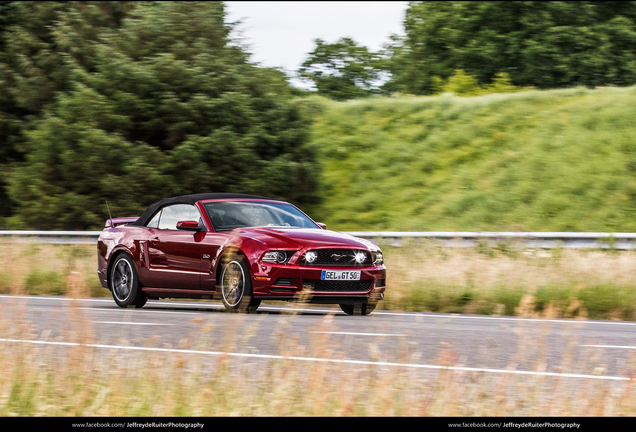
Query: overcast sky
(281, 34)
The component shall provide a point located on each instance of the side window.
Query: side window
(154, 222)
(179, 212)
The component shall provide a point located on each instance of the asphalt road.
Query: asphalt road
(570, 349)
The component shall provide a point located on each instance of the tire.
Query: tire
(236, 285)
(358, 308)
(124, 283)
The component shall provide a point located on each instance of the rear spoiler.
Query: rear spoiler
(119, 221)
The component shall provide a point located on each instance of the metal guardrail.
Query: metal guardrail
(55, 237)
(539, 240)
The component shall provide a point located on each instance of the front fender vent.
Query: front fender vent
(286, 282)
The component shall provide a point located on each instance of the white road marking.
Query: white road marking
(33, 297)
(295, 309)
(137, 311)
(377, 312)
(325, 360)
(505, 318)
(131, 323)
(111, 301)
(610, 346)
(358, 334)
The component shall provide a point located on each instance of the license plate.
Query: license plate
(340, 275)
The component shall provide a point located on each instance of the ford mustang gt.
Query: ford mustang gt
(238, 248)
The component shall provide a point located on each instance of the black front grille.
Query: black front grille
(338, 257)
(337, 286)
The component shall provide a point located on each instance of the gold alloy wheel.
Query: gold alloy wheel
(233, 283)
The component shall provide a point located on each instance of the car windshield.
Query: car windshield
(227, 215)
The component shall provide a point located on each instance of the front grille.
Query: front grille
(337, 286)
(337, 257)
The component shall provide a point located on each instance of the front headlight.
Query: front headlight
(378, 259)
(276, 257)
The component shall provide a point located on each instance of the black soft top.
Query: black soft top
(187, 199)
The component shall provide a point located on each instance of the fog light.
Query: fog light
(361, 257)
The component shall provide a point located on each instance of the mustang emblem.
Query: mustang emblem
(338, 257)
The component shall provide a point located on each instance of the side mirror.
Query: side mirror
(188, 225)
(321, 225)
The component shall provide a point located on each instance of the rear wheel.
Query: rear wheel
(124, 283)
(236, 285)
(358, 308)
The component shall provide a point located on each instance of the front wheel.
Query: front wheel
(236, 286)
(124, 283)
(358, 308)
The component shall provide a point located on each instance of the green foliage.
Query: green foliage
(145, 100)
(342, 70)
(503, 84)
(462, 84)
(558, 160)
(540, 44)
(45, 282)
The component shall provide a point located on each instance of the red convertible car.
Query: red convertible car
(241, 249)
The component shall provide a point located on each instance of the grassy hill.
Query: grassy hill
(559, 160)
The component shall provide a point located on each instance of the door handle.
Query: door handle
(154, 240)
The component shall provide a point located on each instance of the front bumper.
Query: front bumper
(286, 282)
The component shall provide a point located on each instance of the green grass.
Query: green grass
(558, 160)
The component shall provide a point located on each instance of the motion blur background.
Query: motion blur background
(370, 116)
(469, 116)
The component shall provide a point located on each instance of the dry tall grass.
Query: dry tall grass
(49, 269)
(421, 276)
(597, 284)
(84, 380)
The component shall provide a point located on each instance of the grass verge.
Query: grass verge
(593, 284)
(421, 276)
(554, 160)
(49, 269)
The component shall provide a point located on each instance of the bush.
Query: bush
(463, 84)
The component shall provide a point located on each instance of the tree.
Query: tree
(159, 102)
(33, 72)
(540, 44)
(342, 70)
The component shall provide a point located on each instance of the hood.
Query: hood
(297, 238)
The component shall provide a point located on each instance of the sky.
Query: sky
(281, 34)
